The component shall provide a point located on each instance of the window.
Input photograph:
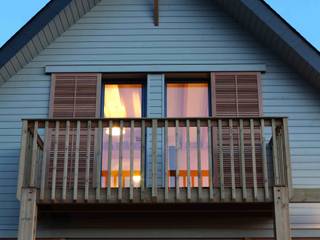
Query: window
(122, 100)
(187, 100)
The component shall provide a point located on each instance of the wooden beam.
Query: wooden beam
(281, 213)
(156, 12)
(28, 214)
(306, 195)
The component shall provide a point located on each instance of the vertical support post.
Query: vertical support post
(275, 154)
(44, 161)
(199, 159)
(23, 153)
(154, 158)
(156, 12)
(233, 181)
(87, 174)
(34, 155)
(131, 158)
(143, 157)
(287, 155)
(188, 161)
(166, 163)
(65, 164)
(98, 160)
(28, 214)
(221, 159)
(253, 158)
(55, 160)
(265, 162)
(242, 162)
(281, 213)
(76, 163)
(109, 160)
(120, 161)
(210, 158)
(177, 159)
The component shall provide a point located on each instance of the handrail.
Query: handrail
(225, 157)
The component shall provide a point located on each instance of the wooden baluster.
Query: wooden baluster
(233, 180)
(23, 156)
(131, 158)
(34, 155)
(55, 158)
(280, 155)
(76, 163)
(221, 159)
(264, 162)
(188, 160)
(210, 159)
(142, 167)
(287, 155)
(98, 159)
(154, 158)
(109, 160)
(65, 164)
(275, 154)
(120, 161)
(166, 164)
(242, 162)
(177, 160)
(199, 160)
(87, 174)
(253, 157)
(44, 161)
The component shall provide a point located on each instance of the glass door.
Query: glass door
(122, 101)
(187, 100)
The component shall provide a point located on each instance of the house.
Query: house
(170, 119)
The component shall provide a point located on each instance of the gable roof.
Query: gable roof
(272, 30)
(48, 24)
(254, 15)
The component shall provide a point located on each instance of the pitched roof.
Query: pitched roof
(256, 16)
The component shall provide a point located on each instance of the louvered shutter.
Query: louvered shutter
(73, 96)
(237, 95)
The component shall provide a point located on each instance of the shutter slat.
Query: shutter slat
(238, 95)
(73, 96)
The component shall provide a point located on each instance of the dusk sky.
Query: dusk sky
(303, 15)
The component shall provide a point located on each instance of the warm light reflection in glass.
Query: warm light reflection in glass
(187, 100)
(122, 101)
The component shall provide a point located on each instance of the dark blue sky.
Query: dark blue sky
(303, 15)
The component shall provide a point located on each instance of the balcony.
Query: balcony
(164, 160)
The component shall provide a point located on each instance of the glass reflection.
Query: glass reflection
(187, 100)
(122, 101)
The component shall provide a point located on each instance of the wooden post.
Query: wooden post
(281, 213)
(156, 12)
(28, 214)
(23, 153)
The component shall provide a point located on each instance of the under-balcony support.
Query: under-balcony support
(28, 214)
(281, 213)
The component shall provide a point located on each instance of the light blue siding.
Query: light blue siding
(155, 108)
(195, 32)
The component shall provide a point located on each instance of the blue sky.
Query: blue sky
(303, 15)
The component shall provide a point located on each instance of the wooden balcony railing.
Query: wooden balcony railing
(154, 160)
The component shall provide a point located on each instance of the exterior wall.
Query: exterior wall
(155, 108)
(190, 32)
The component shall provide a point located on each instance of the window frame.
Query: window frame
(125, 81)
(187, 80)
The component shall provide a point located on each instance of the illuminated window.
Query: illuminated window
(187, 100)
(122, 101)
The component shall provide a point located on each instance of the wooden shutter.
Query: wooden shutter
(73, 96)
(237, 95)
